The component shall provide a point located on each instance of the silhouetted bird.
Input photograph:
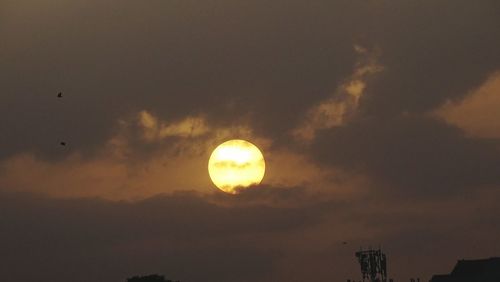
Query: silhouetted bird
(63, 143)
(59, 95)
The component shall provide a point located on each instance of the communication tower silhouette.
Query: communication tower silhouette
(373, 265)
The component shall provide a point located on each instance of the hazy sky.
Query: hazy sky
(378, 120)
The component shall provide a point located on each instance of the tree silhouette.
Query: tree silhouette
(149, 278)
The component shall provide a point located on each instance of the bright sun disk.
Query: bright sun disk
(236, 164)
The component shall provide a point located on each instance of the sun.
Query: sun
(235, 165)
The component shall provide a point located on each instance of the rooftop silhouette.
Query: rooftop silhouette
(483, 270)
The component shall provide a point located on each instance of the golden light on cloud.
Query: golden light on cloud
(344, 101)
(236, 164)
(477, 114)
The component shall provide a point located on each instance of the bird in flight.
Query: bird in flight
(59, 95)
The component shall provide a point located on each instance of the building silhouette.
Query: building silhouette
(480, 270)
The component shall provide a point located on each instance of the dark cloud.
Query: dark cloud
(229, 60)
(184, 236)
(274, 196)
(258, 63)
(432, 51)
(411, 155)
(223, 238)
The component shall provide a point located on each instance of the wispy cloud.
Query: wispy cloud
(343, 103)
(154, 129)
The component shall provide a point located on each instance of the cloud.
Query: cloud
(153, 130)
(162, 229)
(431, 52)
(137, 162)
(343, 103)
(268, 73)
(411, 156)
(477, 113)
(244, 238)
(169, 58)
(90, 239)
